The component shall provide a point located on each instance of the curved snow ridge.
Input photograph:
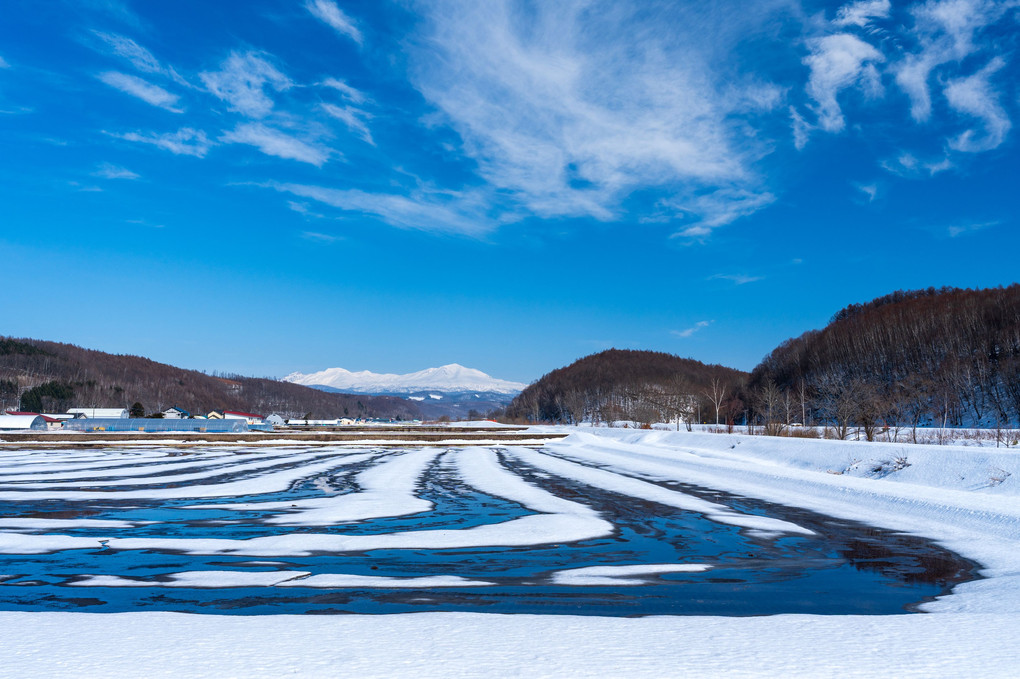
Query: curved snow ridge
(65, 524)
(19, 543)
(524, 531)
(386, 489)
(625, 485)
(386, 486)
(270, 482)
(230, 579)
(133, 467)
(612, 576)
(41, 460)
(480, 468)
(145, 476)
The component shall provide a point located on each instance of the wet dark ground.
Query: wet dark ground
(846, 568)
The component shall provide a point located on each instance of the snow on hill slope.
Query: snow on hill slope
(448, 378)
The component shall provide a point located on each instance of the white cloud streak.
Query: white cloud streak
(838, 62)
(242, 81)
(975, 96)
(945, 32)
(185, 141)
(736, 279)
(142, 89)
(869, 190)
(330, 14)
(139, 57)
(452, 212)
(570, 107)
(320, 237)
(273, 142)
(687, 332)
(111, 171)
(969, 227)
(349, 93)
(3, 63)
(719, 208)
(353, 118)
(908, 165)
(861, 13)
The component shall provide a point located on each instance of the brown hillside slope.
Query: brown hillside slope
(56, 376)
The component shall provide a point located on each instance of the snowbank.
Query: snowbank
(423, 645)
(963, 497)
(943, 493)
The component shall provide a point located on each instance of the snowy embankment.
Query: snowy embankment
(964, 498)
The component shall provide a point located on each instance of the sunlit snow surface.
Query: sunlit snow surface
(297, 530)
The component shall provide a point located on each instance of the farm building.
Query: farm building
(22, 423)
(175, 413)
(51, 421)
(250, 418)
(93, 413)
(125, 424)
(276, 420)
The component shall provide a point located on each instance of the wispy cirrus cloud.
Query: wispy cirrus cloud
(720, 207)
(139, 57)
(606, 99)
(349, 93)
(111, 171)
(317, 237)
(353, 118)
(687, 332)
(962, 228)
(427, 210)
(3, 63)
(142, 89)
(855, 50)
(975, 96)
(330, 14)
(909, 166)
(736, 279)
(944, 32)
(273, 142)
(185, 141)
(242, 82)
(862, 13)
(869, 190)
(838, 62)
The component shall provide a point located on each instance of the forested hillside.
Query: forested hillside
(938, 356)
(644, 386)
(48, 376)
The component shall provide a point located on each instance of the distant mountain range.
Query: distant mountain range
(447, 379)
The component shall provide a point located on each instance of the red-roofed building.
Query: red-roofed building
(250, 418)
(51, 422)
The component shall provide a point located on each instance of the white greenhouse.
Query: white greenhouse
(22, 423)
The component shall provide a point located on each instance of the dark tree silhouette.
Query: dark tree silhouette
(944, 356)
(621, 384)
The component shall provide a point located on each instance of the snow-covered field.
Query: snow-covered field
(965, 498)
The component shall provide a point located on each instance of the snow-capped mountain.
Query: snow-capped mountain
(451, 378)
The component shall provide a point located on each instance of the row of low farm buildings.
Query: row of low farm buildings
(173, 419)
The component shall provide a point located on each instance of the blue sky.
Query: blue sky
(268, 186)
